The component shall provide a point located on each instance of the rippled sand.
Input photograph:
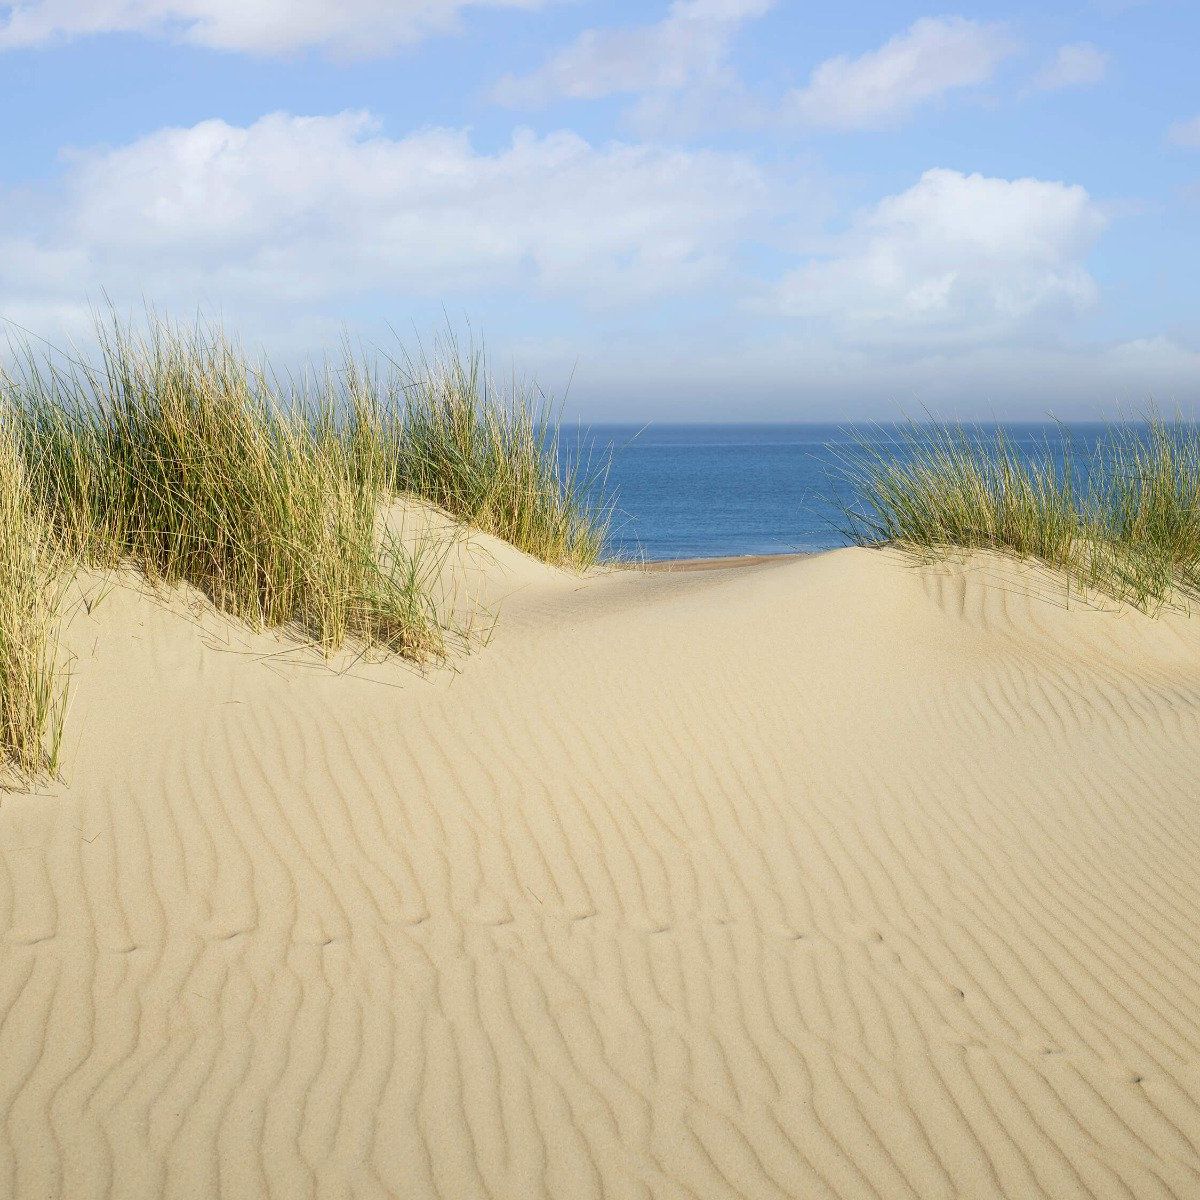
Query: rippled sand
(829, 877)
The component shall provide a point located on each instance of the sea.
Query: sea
(699, 491)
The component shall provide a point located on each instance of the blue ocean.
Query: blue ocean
(694, 491)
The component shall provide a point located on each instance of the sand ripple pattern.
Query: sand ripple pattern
(822, 879)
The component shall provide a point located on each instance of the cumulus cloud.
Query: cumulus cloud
(955, 258)
(1077, 65)
(1186, 133)
(689, 44)
(348, 27)
(304, 209)
(934, 56)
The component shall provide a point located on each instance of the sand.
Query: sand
(818, 877)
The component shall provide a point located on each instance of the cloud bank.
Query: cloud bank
(304, 209)
(295, 219)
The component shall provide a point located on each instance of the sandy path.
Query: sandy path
(819, 877)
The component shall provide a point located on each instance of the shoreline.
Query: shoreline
(676, 566)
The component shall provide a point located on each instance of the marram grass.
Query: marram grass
(176, 455)
(1123, 521)
(32, 687)
(494, 460)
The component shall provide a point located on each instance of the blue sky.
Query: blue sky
(706, 209)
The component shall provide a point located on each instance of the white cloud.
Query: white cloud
(1186, 133)
(347, 27)
(955, 258)
(307, 209)
(689, 44)
(878, 90)
(1076, 65)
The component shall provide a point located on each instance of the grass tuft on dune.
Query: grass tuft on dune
(32, 688)
(1124, 521)
(173, 453)
(177, 457)
(494, 460)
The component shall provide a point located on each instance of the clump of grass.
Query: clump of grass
(179, 458)
(174, 454)
(32, 688)
(495, 459)
(1147, 508)
(937, 487)
(1124, 521)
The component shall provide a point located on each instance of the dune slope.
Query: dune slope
(817, 878)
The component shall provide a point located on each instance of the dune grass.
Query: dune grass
(32, 687)
(446, 432)
(495, 460)
(176, 457)
(174, 454)
(1123, 520)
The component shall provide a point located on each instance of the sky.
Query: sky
(734, 210)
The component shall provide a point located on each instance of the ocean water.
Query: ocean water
(694, 491)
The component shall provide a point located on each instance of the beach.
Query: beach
(599, 601)
(822, 876)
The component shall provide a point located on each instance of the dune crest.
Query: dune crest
(830, 877)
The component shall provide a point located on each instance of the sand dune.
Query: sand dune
(829, 877)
